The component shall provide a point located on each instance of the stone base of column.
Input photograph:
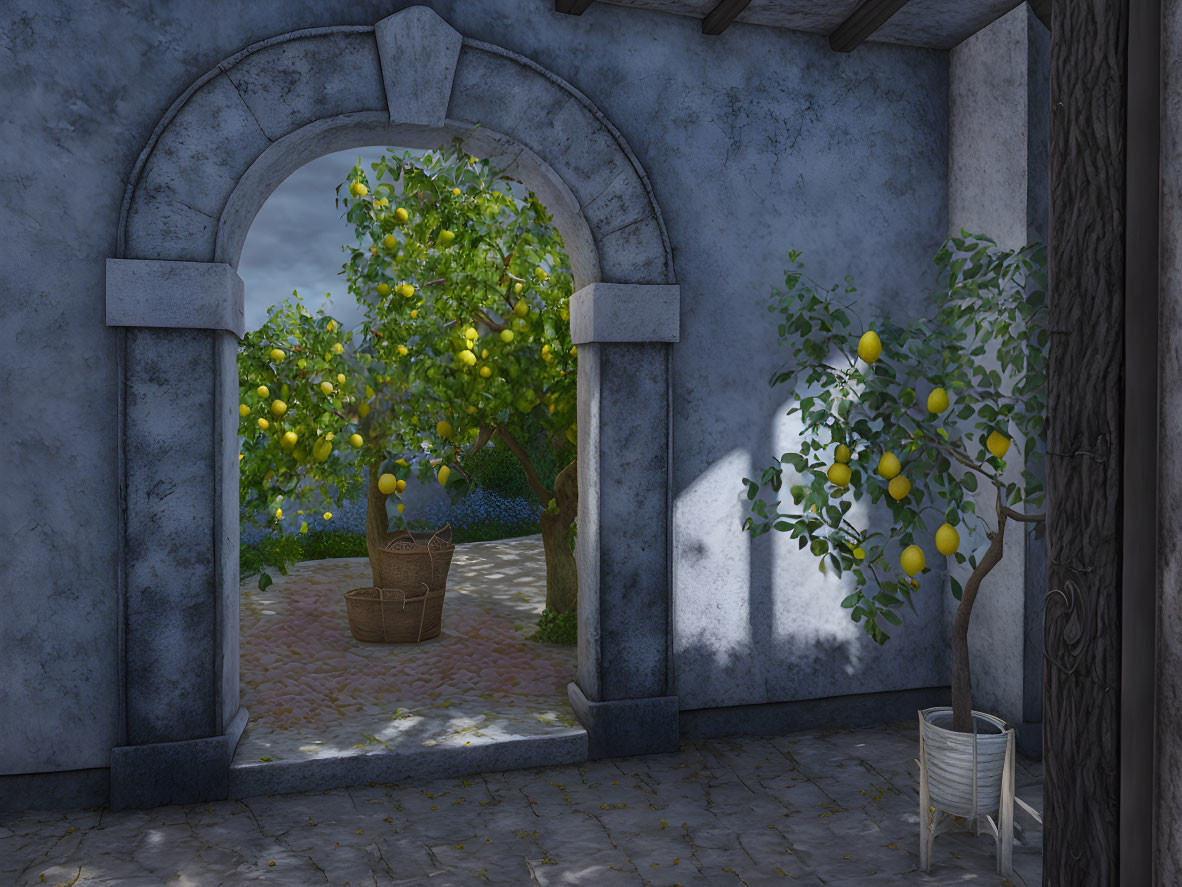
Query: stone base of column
(186, 772)
(620, 727)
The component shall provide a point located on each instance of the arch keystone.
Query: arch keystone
(418, 52)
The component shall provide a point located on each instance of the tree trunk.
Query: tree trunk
(562, 578)
(962, 686)
(377, 524)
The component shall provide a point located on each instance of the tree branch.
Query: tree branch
(535, 482)
(1018, 516)
(484, 437)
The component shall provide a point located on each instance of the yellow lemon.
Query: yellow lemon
(338, 348)
(541, 273)
(389, 241)
(485, 372)
(290, 439)
(574, 349)
(401, 508)
(565, 312)
(368, 391)
(899, 487)
(357, 189)
(471, 334)
(506, 335)
(517, 287)
(387, 484)
(444, 474)
(406, 289)
(278, 407)
(839, 474)
(521, 308)
(278, 514)
(341, 378)
(869, 347)
(277, 355)
(403, 350)
(356, 440)
(401, 215)
(243, 410)
(263, 391)
(888, 465)
(445, 237)
(455, 191)
(859, 554)
(328, 436)
(401, 462)
(332, 325)
(998, 444)
(326, 387)
(414, 313)
(484, 354)
(400, 486)
(240, 457)
(443, 429)
(468, 358)
(383, 289)
(911, 560)
(363, 410)
(938, 401)
(322, 450)
(842, 454)
(947, 539)
(328, 515)
(263, 423)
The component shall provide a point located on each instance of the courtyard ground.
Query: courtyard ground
(828, 808)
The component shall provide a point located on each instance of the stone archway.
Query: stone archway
(215, 156)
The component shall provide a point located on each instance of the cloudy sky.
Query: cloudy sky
(295, 241)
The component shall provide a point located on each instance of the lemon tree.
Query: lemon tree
(465, 288)
(916, 418)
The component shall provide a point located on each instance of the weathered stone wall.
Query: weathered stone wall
(755, 142)
(999, 130)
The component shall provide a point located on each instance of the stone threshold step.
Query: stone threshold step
(321, 774)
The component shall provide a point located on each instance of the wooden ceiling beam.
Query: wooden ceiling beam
(863, 22)
(720, 17)
(572, 7)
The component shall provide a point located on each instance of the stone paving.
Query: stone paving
(836, 808)
(313, 691)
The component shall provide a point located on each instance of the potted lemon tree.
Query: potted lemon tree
(920, 419)
(465, 290)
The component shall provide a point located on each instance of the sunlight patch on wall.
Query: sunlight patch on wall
(711, 557)
(806, 607)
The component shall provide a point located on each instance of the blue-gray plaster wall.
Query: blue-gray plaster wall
(755, 142)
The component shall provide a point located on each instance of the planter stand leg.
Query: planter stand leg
(925, 813)
(1005, 824)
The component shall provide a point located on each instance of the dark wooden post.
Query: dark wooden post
(1085, 444)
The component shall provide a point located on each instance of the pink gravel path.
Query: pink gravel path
(312, 690)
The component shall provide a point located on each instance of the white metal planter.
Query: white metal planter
(970, 775)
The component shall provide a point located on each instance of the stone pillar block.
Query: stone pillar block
(624, 591)
(180, 295)
(621, 312)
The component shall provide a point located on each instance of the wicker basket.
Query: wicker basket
(389, 616)
(412, 560)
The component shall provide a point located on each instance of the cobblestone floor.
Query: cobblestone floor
(810, 809)
(313, 691)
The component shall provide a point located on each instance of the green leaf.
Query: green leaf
(264, 581)
(957, 589)
(969, 481)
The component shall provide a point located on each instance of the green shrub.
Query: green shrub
(496, 469)
(557, 628)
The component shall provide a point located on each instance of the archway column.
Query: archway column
(179, 566)
(622, 692)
